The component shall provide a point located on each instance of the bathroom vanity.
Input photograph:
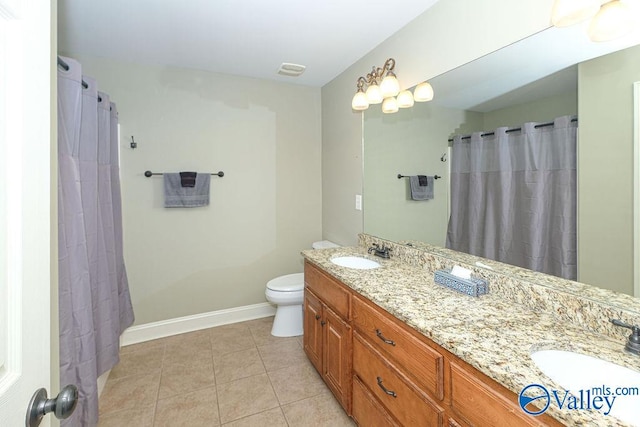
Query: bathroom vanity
(397, 349)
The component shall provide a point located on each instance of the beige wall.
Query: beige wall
(264, 135)
(605, 169)
(542, 110)
(449, 34)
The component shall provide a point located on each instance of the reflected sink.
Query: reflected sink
(356, 262)
(575, 372)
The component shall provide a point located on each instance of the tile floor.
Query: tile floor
(232, 375)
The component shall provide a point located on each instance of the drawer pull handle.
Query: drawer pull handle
(317, 316)
(386, 341)
(323, 323)
(389, 392)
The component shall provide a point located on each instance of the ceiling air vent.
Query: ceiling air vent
(293, 70)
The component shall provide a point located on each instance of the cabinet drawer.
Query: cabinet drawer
(481, 406)
(406, 404)
(330, 291)
(422, 363)
(366, 410)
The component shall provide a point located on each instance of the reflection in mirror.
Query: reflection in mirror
(562, 74)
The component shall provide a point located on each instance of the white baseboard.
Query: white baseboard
(181, 325)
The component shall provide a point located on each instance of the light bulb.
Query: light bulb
(389, 86)
(390, 105)
(612, 21)
(360, 101)
(569, 12)
(405, 99)
(423, 92)
(374, 95)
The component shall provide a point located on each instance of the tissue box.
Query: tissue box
(473, 286)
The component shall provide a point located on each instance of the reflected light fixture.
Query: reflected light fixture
(405, 99)
(568, 12)
(609, 19)
(381, 85)
(613, 20)
(423, 92)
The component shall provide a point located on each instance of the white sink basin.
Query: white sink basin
(359, 263)
(576, 372)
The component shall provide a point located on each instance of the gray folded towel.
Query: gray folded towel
(421, 192)
(177, 196)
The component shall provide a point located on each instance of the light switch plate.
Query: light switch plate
(358, 202)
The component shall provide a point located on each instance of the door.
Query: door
(25, 205)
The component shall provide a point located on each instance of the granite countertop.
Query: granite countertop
(493, 335)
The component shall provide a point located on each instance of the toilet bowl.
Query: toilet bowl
(287, 292)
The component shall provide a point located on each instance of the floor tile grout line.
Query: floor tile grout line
(215, 378)
(155, 406)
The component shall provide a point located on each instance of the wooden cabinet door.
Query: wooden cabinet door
(312, 333)
(337, 357)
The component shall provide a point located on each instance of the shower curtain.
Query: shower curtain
(513, 197)
(94, 302)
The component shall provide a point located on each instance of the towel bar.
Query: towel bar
(148, 174)
(407, 176)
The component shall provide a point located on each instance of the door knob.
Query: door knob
(62, 406)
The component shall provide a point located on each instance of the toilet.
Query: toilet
(287, 292)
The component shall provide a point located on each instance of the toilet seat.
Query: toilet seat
(288, 283)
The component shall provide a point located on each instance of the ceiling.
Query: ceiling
(240, 37)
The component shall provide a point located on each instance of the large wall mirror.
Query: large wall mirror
(554, 73)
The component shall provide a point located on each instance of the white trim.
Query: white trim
(636, 189)
(181, 325)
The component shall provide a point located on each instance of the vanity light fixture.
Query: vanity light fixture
(390, 105)
(381, 85)
(609, 19)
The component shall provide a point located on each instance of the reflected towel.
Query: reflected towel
(188, 179)
(177, 196)
(419, 192)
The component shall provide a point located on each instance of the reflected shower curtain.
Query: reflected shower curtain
(94, 302)
(513, 197)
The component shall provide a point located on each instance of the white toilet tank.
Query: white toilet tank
(324, 244)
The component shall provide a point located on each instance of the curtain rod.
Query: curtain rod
(65, 67)
(541, 125)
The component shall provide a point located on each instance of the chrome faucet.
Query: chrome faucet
(382, 252)
(633, 342)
